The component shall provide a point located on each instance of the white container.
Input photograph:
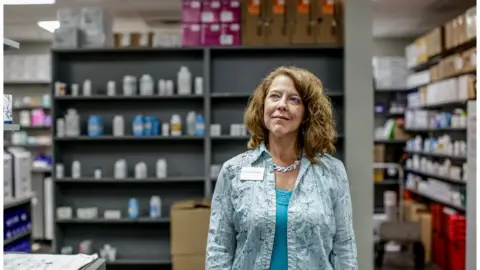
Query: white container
(161, 169)
(191, 123)
(198, 86)
(7, 109)
(24, 118)
(162, 87)
(118, 126)
(59, 171)
(76, 169)
(184, 81)
(146, 85)
(111, 88)
(60, 127)
(176, 125)
(165, 129)
(120, 169)
(129, 85)
(75, 90)
(97, 173)
(87, 88)
(155, 207)
(72, 123)
(141, 170)
(169, 88)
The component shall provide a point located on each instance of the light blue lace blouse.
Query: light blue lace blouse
(242, 223)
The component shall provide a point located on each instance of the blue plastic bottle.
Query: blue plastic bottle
(155, 126)
(199, 125)
(147, 126)
(133, 208)
(95, 127)
(137, 126)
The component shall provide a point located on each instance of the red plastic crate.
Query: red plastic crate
(439, 251)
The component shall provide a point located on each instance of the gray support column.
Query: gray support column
(359, 123)
(471, 256)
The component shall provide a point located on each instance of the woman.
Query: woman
(285, 203)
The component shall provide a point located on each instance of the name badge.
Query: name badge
(252, 173)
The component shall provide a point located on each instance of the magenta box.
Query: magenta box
(211, 33)
(231, 11)
(191, 11)
(230, 34)
(211, 10)
(191, 34)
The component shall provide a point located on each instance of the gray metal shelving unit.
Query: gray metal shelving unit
(230, 75)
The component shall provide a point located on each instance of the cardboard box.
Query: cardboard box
(379, 153)
(231, 11)
(191, 11)
(302, 26)
(230, 34)
(469, 60)
(191, 34)
(253, 24)
(188, 233)
(279, 16)
(434, 42)
(211, 10)
(211, 33)
(328, 22)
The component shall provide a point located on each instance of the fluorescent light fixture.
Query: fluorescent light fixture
(50, 26)
(28, 2)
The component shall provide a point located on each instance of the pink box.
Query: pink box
(231, 11)
(191, 34)
(211, 33)
(211, 10)
(230, 34)
(191, 11)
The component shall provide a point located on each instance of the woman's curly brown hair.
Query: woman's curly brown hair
(317, 135)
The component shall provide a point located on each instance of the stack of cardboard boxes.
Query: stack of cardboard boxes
(284, 22)
(459, 31)
(188, 234)
(211, 22)
(89, 27)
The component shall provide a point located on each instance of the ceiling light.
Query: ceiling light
(28, 2)
(50, 26)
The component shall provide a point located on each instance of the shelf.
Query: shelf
(126, 98)
(26, 82)
(230, 138)
(390, 141)
(35, 127)
(28, 145)
(11, 127)
(387, 182)
(130, 180)
(436, 155)
(10, 203)
(17, 237)
(41, 170)
(128, 138)
(459, 208)
(448, 129)
(115, 221)
(9, 44)
(126, 262)
(30, 108)
(437, 177)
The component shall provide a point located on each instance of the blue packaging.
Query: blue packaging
(137, 126)
(95, 126)
(147, 125)
(199, 125)
(133, 208)
(155, 126)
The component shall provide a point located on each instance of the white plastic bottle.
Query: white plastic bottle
(141, 170)
(120, 169)
(87, 88)
(155, 207)
(111, 88)
(60, 127)
(198, 86)
(184, 81)
(76, 169)
(161, 168)
(162, 87)
(176, 125)
(118, 126)
(129, 85)
(146, 85)
(191, 123)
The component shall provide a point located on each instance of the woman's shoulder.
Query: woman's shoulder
(244, 159)
(330, 162)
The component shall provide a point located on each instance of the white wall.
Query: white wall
(390, 46)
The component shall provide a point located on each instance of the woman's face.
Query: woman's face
(283, 109)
